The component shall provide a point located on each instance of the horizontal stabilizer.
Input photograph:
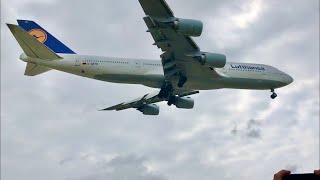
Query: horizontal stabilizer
(31, 46)
(33, 69)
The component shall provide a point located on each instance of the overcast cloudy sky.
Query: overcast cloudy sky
(51, 129)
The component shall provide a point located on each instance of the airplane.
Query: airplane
(184, 69)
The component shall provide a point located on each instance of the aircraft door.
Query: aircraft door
(77, 63)
(224, 70)
(268, 73)
(137, 64)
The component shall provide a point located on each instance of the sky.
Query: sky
(51, 129)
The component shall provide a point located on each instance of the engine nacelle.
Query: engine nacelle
(152, 110)
(188, 27)
(214, 60)
(184, 103)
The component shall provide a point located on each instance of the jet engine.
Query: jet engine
(214, 60)
(152, 110)
(188, 27)
(184, 103)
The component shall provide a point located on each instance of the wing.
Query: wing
(156, 8)
(181, 53)
(136, 103)
(146, 100)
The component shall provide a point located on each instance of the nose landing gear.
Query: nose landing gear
(274, 95)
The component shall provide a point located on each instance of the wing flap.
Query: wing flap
(174, 42)
(156, 8)
(156, 34)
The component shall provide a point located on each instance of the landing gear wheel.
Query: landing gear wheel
(171, 101)
(164, 94)
(274, 95)
(166, 90)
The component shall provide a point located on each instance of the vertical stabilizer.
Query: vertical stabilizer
(44, 37)
(31, 46)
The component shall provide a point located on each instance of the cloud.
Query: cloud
(252, 129)
(65, 160)
(254, 133)
(127, 167)
(234, 131)
(50, 128)
(292, 168)
(251, 12)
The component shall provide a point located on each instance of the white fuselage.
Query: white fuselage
(150, 73)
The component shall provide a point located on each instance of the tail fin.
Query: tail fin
(34, 49)
(44, 37)
(31, 46)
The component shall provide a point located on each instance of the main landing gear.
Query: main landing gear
(166, 90)
(172, 100)
(274, 95)
(182, 81)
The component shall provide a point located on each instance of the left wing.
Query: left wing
(156, 8)
(143, 103)
(182, 56)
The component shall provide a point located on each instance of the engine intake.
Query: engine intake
(152, 110)
(188, 27)
(184, 103)
(214, 60)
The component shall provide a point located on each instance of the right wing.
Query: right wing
(137, 103)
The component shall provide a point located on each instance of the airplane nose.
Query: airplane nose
(289, 79)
